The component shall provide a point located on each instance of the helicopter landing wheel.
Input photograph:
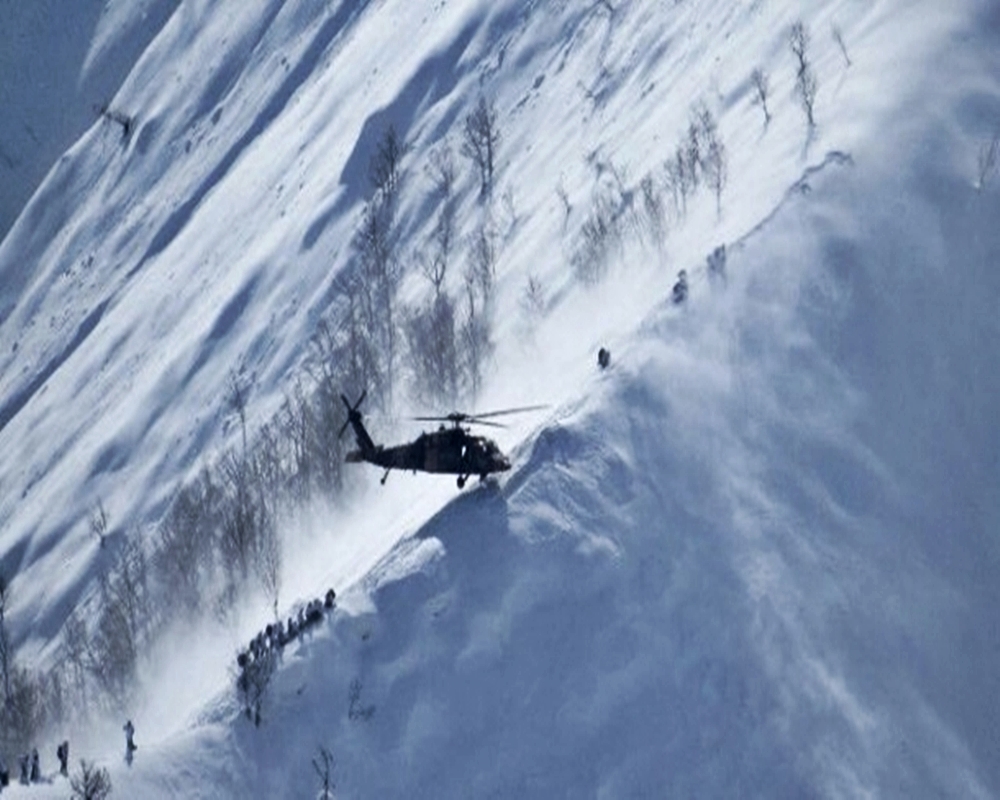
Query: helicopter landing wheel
(461, 481)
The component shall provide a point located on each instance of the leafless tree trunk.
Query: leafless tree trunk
(838, 37)
(762, 89)
(384, 165)
(481, 136)
(716, 171)
(987, 161)
(6, 652)
(806, 83)
(323, 764)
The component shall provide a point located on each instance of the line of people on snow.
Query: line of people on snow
(716, 267)
(31, 769)
(275, 636)
(30, 766)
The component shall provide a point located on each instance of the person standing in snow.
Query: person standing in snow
(62, 753)
(680, 291)
(130, 746)
(36, 769)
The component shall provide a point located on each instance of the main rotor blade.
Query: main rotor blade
(460, 416)
(506, 411)
(454, 417)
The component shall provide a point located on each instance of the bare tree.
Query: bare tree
(442, 171)
(563, 196)
(355, 710)
(384, 165)
(680, 181)
(600, 237)
(356, 346)
(377, 280)
(99, 523)
(238, 528)
(480, 138)
(237, 394)
(476, 332)
(838, 37)
(91, 783)
(652, 203)
(76, 650)
(320, 449)
(806, 83)
(431, 339)
(693, 154)
(22, 716)
(475, 337)
(483, 261)
(762, 89)
(184, 559)
(987, 161)
(533, 298)
(716, 171)
(323, 764)
(256, 671)
(113, 650)
(269, 564)
(6, 650)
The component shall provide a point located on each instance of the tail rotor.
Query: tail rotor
(353, 414)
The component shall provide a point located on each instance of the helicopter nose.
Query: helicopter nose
(504, 463)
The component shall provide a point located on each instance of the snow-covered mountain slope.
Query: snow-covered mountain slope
(756, 557)
(59, 64)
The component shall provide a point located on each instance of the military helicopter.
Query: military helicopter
(450, 450)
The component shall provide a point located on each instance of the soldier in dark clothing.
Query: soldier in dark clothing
(62, 753)
(36, 770)
(130, 746)
(680, 291)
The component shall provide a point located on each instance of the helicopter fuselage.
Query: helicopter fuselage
(452, 451)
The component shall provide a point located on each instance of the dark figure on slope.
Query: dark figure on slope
(717, 264)
(130, 745)
(36, 769)
(680, 292)
(603, 358)
(62, 753)
(23, 763)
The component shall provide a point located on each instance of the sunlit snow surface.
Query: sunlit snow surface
(757, 556)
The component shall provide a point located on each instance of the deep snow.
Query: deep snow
(756, 557)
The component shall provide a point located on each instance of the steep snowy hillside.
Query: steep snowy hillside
(59, 64)
(756, 556)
